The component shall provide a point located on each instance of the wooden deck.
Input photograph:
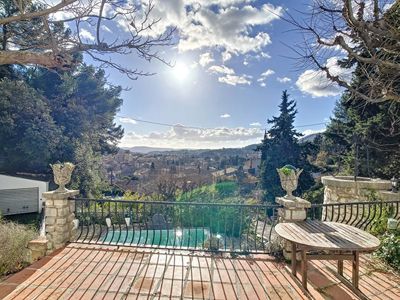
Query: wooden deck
(99, 272)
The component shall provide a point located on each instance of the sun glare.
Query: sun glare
(181, 71)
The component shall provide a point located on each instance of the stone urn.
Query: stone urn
(62, 174)
(289, 177)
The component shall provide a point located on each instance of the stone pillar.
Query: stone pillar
(59, 216)
(293, 210)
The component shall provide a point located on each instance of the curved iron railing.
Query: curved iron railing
(240, 228)
(243, 228)
(371, 216)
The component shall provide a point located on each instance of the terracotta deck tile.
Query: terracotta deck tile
(6, 289)
(197, 289)
(30, 292)
(224, 291)
(98, 272)
(170, 288)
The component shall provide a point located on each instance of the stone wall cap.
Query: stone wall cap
(60, 195)
(361, 182)
(389, 196)
(42, 241)
(296, 203)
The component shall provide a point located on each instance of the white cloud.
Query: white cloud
(221, 69)
(264, 55)
(226, 56)
(235, 80)
(222, 27)
(284, 79)
(205, 59)
(181, 137)
(125, 120)
(264, 76)
(255, 124)
(105, 28)
(267, 73)
(315, 82)
(226, 25)
(224, 116)
(85, 34)
(228, 28)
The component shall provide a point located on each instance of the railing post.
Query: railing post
(59, 216)
(292, 210)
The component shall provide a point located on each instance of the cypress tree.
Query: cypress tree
(280, 147)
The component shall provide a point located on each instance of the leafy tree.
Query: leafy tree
(28, 132)
(48, 117)
(280, 147)
(372, 128)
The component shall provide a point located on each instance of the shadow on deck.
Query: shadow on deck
(100, 272)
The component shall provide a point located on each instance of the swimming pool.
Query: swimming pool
(186, 237)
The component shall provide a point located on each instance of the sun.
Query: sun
(181, 71)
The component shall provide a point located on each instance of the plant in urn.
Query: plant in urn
(289, 177)
(62, 174)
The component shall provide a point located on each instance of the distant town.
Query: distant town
(156, 170)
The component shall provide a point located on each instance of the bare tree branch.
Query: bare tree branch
(36, 14)
(368, 34)
(32, 32)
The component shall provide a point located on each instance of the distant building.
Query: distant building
(225, 174)
(251, 166)
(21, 195)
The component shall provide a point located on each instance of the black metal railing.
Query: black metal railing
(370, 216)
(176, 225)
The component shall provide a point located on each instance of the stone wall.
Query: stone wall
(344, 189)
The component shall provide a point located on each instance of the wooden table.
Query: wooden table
(338, 242)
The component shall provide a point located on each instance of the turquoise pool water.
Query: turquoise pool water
(193, 237)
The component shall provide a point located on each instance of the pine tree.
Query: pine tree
(280, 147)
(377, 129)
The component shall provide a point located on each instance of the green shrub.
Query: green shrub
(390, 249)
(315, 194)
(212, 244)
(287, 169)
(226, 189)
(14, 239)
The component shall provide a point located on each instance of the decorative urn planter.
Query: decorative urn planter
(62, 174)
(289, 177)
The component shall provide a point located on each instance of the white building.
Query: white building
(20, 195)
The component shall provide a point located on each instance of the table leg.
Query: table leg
(294, 259)
(304, 268)
(356, 268)
(340, 267)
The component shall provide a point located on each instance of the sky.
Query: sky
(231, 61)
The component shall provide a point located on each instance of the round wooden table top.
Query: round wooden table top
(327, 236)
